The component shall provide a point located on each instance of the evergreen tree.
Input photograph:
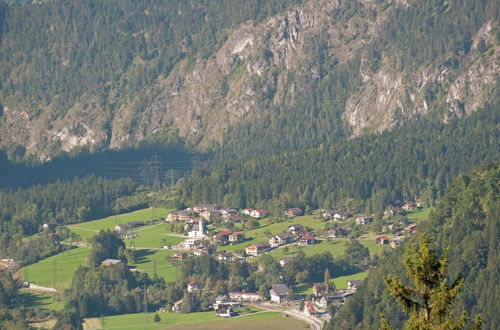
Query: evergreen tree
(327, 281)
(430, 299)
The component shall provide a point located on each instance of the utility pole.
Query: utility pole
(55, 276)
(145, 299)
(155, 169)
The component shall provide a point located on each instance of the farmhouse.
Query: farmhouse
(295, 229)
(306, 238)
(257, 248)
(278, 293)
(293, 212)
(410, 229)
(260, 213)
(409, 206)
(193, 286)
(178, 216)
(226, 256)
(392, 212)
(341, 216)
(280, 239)
(110, 262)
(353, 284)
(225, 311)
(396, 242)
(236, 236)
(381, 240)
(364, 220)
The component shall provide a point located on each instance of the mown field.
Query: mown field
(88, 229)
(56, 271)
(201, 320)
(148, 260)
(155, 236)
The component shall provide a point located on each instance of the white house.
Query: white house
(278, 293)
(198, 230)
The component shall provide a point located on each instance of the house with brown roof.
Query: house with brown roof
(236, 236)
(225, 311)
(294, 212)
(257, 248)
(306, 238)
(409, 206)
(226, 256)
(382, 240)
(193, 286)
(259, 213)
(341, 216)
(281, 239)
(182, 215)
(410, 229)
(295, 229)
(364, 220)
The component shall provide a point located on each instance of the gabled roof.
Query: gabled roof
(279, 289)
(296, 226)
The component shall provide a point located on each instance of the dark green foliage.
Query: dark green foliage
(415, 161)
(465, 222)
(80, 199)
(157, 318)
(69, 318)
(105, 245)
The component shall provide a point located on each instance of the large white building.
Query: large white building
(198, 230)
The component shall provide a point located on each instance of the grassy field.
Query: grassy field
(420, 215)
(31, 300)
(165, 267)
(88, 229)
(341, 282)
(63, 265)
(181, 321)
(155, 236)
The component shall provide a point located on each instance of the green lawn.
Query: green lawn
(165, 267)
(278, 227)
(145, 321)
(87, 229)
(336, 247)
(155, 236)
(31, 300)
(58, 269)
(421, 214)
(341, 282)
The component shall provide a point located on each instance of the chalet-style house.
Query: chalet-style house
(232, 218)
(244, 296)
(225, 211)
(382, 240)
(364, 220)
(409, 206)
(328, 214)
(182, 215)
(306, 238)
(341, 216)
(223, 236)
(410, 229)
(294, 212)
(193, 286)
(226, 256)
(236, 236)
(111, 262)
(209, 215)
(281, 239)
(278, 293)
(337, 232)
(318, 289)
(295, 229)
(260, 213)
(339, 296)
(225, 311)
(247, 211)
(257, 248)
(392, 212)
(353, 284)
(285, 261)
(396, 242)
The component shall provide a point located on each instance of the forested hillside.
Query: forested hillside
(238, 77)
(466, 222)
(414, 162)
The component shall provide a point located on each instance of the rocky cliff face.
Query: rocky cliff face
(261, 66)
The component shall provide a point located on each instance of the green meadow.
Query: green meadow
(56, 271)
(150, 261)
(421, 214)
(88, 229)
(145, 321)
(155, 236)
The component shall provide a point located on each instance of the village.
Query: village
(215, 230)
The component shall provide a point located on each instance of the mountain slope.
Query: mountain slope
(282, 74)
(466, 222)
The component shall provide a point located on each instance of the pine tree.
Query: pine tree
(430, 299)
(157, 318)
(327, 281)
